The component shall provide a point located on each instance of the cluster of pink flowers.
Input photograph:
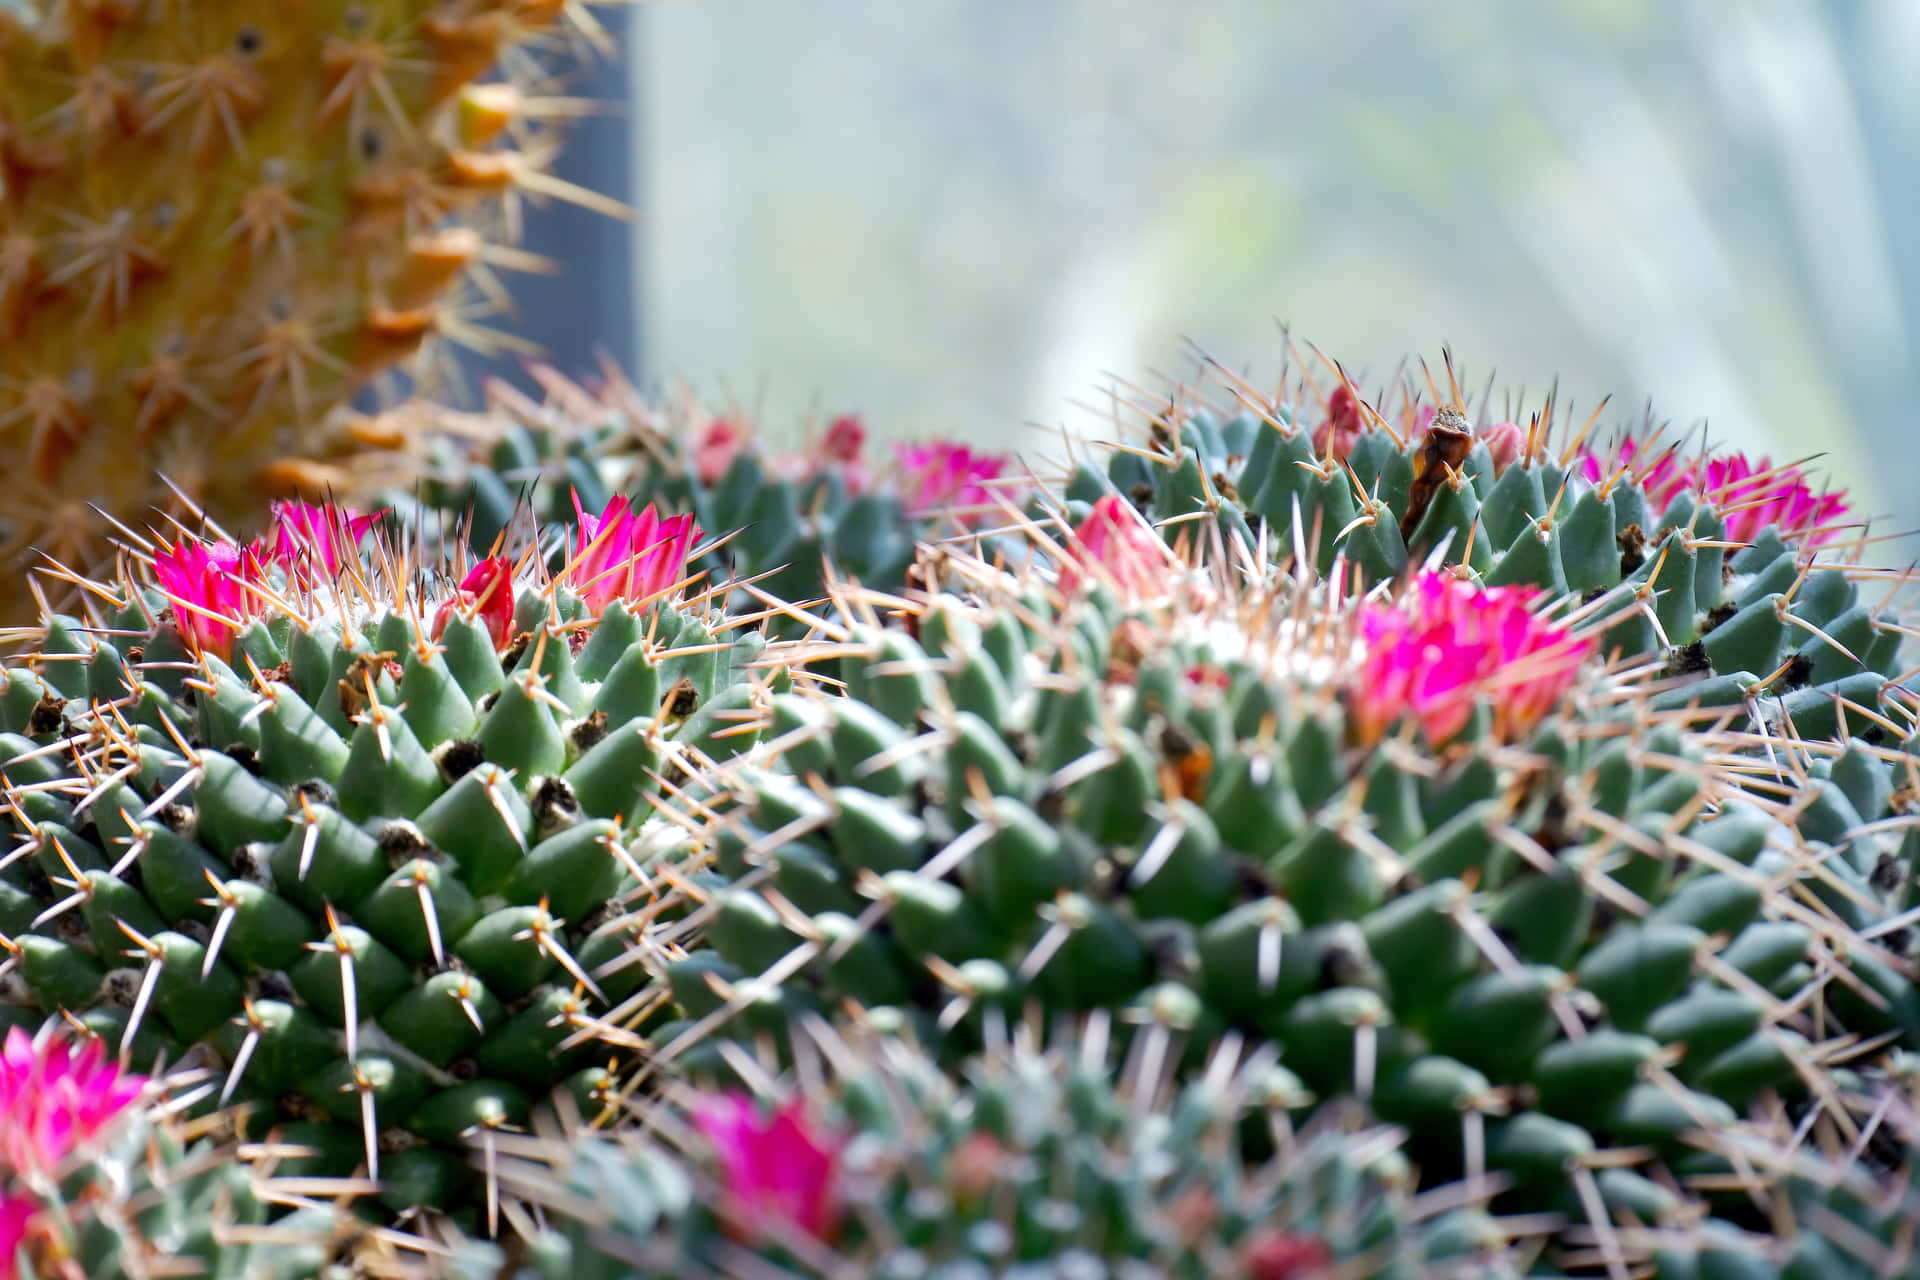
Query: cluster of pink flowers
(1749, 495)
(940, 474)
(216, 587)
(1444, 644)
(624, 555)
(53, 1101)
(1115, 539)
(776, 1167)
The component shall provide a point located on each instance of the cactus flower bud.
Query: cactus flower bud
(488, 591)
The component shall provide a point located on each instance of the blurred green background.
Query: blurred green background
(958, 216)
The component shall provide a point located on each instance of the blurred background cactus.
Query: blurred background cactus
(1699, 204)
(218, 222)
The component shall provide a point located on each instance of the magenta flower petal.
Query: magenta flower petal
(312, 542)
(942, 475)
(53, 1100)
(488, 591)
(1445, 645)
(621, 555)
(1749, 496)
(1115, 538)
(776, 1166)
(213, 590)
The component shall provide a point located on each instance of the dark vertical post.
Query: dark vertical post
(587, 308)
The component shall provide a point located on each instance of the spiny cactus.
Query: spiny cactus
(827, 503)
(1428, 843)
(101, 1179)
(1713, 564)
(352, 839)
(219, 220)
(1024, 1162)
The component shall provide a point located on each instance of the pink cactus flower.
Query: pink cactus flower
(1752, 495)
(487, 590)
(1344, 425)
(619, 555)
(776, 1166)
(1749, 495)
(1444, 644)
(942, 475)
(16, 1221)
(720, 444)
(312, 542)
(843, 449)
(1282, 1255)
(213, 587)
(53, 1100)
(1115, 538)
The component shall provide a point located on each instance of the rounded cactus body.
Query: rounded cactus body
(359, 837)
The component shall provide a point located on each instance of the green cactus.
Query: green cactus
(1545, 925)
(102, 1178)
(361, 845)
(794, 515)
(1022, 1161)
(1713, 564)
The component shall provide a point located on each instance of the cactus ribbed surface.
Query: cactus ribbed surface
(1429, 844)
(1025, 1163)
(354, 844)
(219, 220)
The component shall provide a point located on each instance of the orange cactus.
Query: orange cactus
(218, 222)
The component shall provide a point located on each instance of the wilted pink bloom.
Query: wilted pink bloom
(1506, 441)
(1344, 425)
(721, 443)
(212, 589)
(619, 555)
(1444, 644)
(53, 1100)
(16, 1218)
(1117, 540)
(312, 542)
(1282, 1255)
(773, 1166)
(1748, 495)
(941, 475)
(488, 591)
